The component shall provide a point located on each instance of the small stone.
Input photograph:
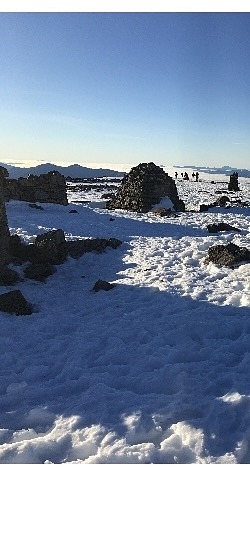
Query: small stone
(103, 285)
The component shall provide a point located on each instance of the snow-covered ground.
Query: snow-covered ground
(156, 370)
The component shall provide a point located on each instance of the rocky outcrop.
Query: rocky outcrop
(76, 249)
(52, 248)
(4, 229)
(145, 186)
(221, 226)
(46, 188)
(8, 277)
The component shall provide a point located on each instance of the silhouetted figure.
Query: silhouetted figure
(182, 174)
(197, 176)
(186, 177)
(193, 174)
(176, 174)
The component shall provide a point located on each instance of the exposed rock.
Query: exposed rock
(4, 229)
(77, 248)
(39, 271)
(144, 187)
(15, 303)
(8, 276)
(47, 188)
(51, 248)
(233, 183)
(228, 255)
(103, 285)
(19, 251)
(163, 212)
(73, 211)
(35, 206)
(221, 201)
(204, 207)
(221, 226)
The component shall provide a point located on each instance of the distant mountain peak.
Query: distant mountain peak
(73, 171)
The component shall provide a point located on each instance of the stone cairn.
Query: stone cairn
(143, 188)
(47, 188)
(233, 183)
(4, 229)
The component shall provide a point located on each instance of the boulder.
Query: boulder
(8, 277)
(144, 187)
(15, 303)
(221, 226)
(39, 271)
(51, 248)
(228, 255)
(103, 285)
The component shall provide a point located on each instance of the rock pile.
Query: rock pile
(48, 188)
(145, 186)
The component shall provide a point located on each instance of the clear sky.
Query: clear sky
(115, 87)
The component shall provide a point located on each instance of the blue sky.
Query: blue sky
(172, 88)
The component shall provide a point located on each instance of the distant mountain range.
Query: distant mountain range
(74, 171)
(226, 170)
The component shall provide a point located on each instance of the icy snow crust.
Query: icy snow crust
(156, 370)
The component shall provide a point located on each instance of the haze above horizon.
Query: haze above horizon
(124, 88)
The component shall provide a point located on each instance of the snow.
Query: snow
(155, 370)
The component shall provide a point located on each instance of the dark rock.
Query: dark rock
(15, 303)
(77, 248)
(73, 211)
(162, 211)
(51, 248)
(8, 276)
(233, 183)
(35, 206)
(221, 226)
(4, 229)
(144, 187)
(18, 249)
(39, 271)
(103, 285)
(204, 207)
(222, 201)
(228, 255)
